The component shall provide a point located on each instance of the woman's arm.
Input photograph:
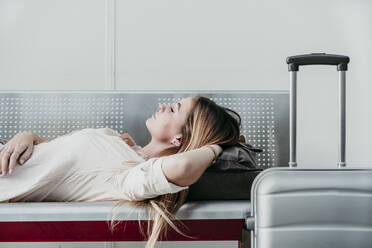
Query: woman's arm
(186, 168)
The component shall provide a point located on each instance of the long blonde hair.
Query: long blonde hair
(207, 123)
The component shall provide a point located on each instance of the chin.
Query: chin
(148, 125)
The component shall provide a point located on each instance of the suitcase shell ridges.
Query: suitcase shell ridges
(312, 208)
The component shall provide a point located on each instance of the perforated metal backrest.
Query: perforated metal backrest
(264, 114)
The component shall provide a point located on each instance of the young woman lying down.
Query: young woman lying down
(103, 165)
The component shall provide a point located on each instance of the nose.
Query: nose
(163, 107)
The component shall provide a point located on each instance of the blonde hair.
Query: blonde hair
(207, 123)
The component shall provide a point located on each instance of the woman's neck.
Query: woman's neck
(156, 149)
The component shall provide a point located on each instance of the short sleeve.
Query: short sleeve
(147, 180)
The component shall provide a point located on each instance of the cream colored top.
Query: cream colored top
(82, 167)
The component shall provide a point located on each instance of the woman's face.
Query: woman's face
(166, 124)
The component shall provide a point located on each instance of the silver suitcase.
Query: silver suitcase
(308, 208)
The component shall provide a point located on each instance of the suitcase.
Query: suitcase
(308, 208)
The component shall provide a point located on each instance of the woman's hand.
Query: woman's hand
(129, 140)
(22, 142)
(218, 148)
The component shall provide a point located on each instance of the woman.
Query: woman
(86, 165)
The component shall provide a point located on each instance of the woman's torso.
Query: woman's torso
(77, 167)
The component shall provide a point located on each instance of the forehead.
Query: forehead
(186, 103)
(186, 100)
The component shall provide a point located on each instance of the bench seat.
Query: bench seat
(88, 221)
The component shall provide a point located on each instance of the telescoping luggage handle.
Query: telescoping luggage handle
(316, 59)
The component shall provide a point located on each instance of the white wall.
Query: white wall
(52, 45)
(204, 44)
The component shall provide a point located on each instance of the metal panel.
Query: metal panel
(52, 113)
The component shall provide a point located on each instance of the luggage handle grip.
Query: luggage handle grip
(318, 59)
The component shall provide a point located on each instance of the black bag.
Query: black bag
(239, 157)
(230, 177)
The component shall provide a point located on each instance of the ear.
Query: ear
(177, 140)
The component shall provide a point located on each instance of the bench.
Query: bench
(52, 113)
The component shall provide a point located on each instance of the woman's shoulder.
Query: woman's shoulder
(102, 130)
(81, 134)
(105, 131)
